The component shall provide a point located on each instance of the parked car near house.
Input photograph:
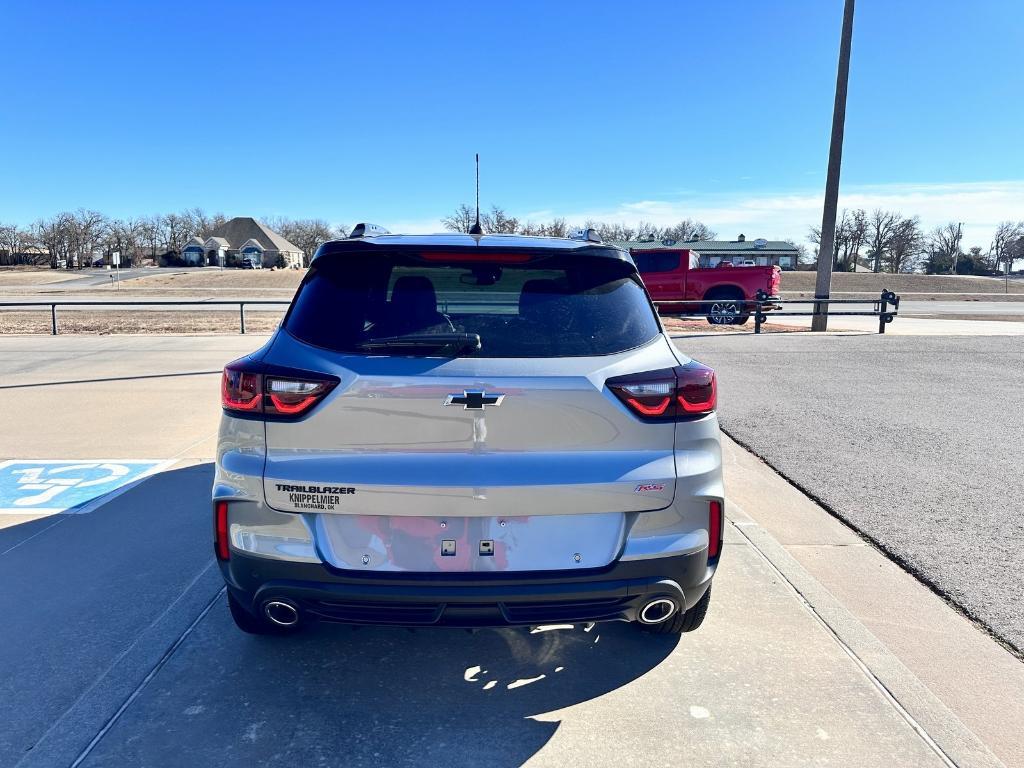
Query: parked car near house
(468, 430)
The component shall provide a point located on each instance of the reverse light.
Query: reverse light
(714, 528)
(247, 389)
(668, 394)
(220, 530)
(291, 397)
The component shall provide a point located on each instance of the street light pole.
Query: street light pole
(835, 158)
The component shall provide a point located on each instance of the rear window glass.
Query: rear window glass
(656, 262)
(552, 307)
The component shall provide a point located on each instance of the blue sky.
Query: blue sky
(627, 111)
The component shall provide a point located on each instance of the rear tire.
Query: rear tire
(251, 624)
(682, 621)
(727, 309)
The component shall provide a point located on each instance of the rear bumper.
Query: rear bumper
(615, 593)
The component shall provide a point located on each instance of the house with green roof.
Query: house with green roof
(713, 252)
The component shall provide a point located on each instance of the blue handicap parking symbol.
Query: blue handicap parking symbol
(51, 487)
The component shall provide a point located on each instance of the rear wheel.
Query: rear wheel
(682, 621)
(251, 624)
(727, 308)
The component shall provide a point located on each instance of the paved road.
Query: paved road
(117, 648)
(914, 441)
(982, 307)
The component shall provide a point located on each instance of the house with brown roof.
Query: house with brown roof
(240, 239)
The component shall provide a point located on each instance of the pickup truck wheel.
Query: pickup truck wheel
(727, 310)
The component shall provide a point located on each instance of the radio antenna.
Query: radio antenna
(476, 229)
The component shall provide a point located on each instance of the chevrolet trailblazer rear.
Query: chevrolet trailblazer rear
(467, 430)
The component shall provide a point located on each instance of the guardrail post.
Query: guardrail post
(758, 313)
(53, 319)
(241, 316)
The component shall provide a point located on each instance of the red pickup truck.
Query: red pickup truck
(673, 277)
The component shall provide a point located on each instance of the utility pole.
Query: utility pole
(835, 159)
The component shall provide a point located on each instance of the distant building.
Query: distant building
(241, 238)
(713, 252)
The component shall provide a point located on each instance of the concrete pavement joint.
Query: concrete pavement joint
(66, 734)
(145, 681)
(954, 743)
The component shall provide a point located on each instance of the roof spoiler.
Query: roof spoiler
(367, 230)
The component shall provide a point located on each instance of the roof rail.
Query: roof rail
(589, 234)
(367, 230)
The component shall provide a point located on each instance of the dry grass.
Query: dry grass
(675, 325)
(11, 276)
(108, 322)
(870, 283)
(228, 279)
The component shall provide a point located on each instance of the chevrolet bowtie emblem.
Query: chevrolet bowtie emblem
(474, 400)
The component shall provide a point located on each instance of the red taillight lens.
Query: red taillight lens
(666, 395)
(697, 390)
(241, 390)
(714, 528)
(220, 530)
(247, 391)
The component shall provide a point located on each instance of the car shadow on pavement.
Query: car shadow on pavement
(338, 695)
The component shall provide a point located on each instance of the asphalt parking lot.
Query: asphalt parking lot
(117, 648)
(914, 441)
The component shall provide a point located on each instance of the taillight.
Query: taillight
(248, 391)
(241, 390)
(696, 388)
(220, 530)
(714, 528)
(669, 394)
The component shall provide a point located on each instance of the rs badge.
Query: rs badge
(649, 487)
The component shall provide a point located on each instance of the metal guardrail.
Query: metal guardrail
(885, 308)
(166, 303)
(756, 307)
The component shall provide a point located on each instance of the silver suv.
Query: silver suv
(468, 430)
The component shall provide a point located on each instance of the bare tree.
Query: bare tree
(498, 222)
(944, 248)
(905, 246)
(851, 229)
(307, 234)
(1014, 251)
(461, 220)
(880, 229)
(687, 231)
(1007, 232)
(176, 229)
(14, 243)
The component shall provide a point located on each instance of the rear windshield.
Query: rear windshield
(551, 307)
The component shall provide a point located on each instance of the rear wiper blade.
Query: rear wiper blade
(460, 341)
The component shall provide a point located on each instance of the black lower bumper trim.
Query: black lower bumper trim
(617, 593)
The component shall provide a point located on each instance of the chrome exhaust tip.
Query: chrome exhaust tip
(656, 611)
(281, 613)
